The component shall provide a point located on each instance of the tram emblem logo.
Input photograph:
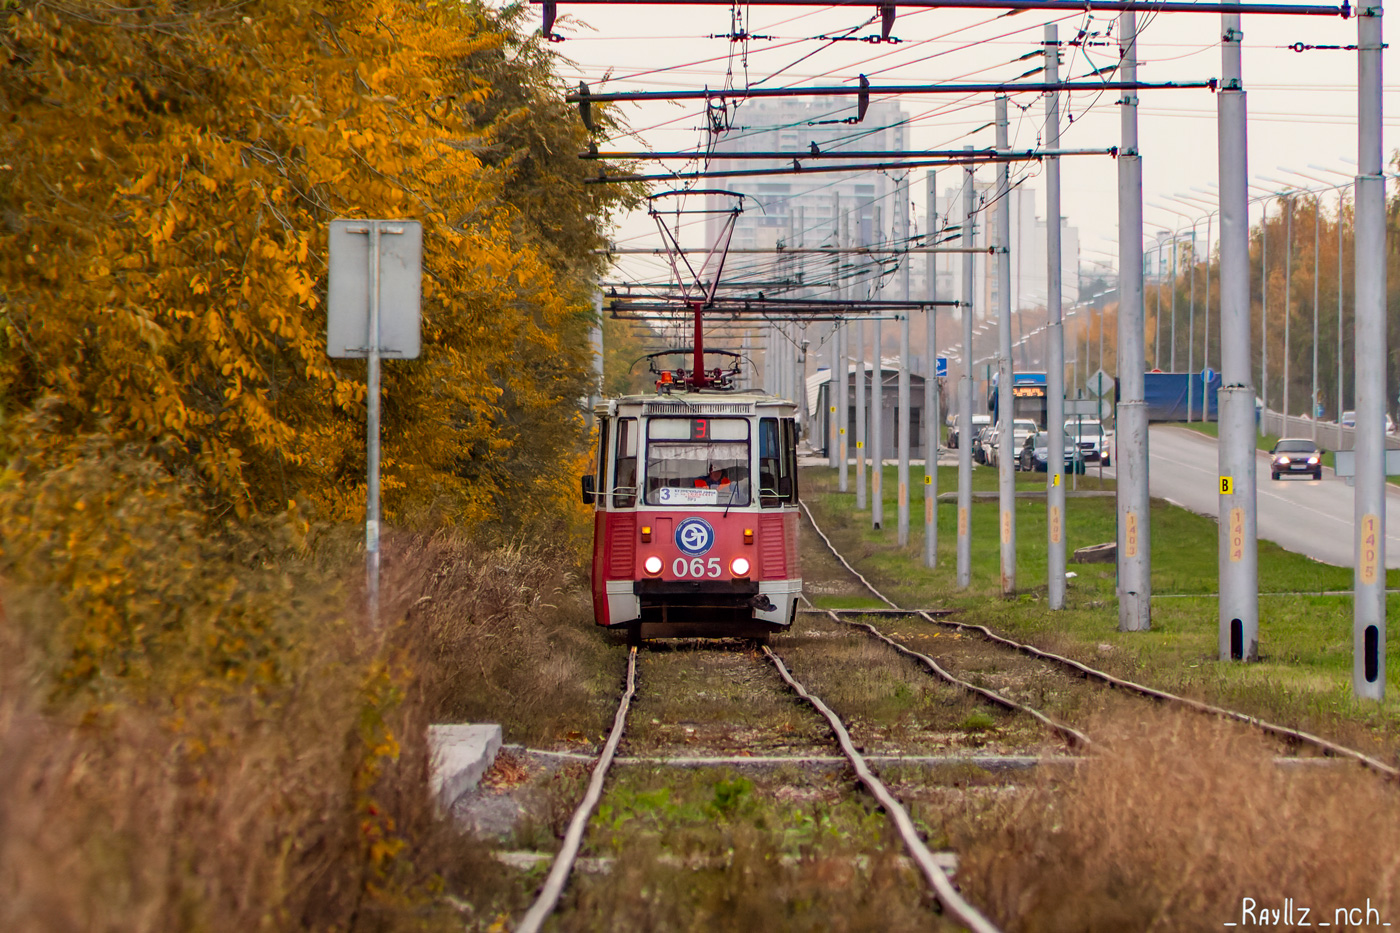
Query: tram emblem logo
(694, 536)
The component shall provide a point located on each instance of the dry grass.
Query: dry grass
(200, 731)
(1174, 825)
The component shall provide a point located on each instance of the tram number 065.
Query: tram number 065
(695, 567)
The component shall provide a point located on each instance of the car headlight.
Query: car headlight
(1312, 460)
(1283, 460)
(652, 565)
(739, 566)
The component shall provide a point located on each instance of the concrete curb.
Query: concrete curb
(460, 754)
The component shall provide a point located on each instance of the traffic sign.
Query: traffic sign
(1100, 383)
(1208, 374)
(942, 369)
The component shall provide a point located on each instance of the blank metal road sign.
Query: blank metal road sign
(400, 277)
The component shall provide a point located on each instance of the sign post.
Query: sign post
(372, 310)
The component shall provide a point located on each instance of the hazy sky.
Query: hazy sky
(1302, 106)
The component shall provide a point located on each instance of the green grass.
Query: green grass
(1304, 677)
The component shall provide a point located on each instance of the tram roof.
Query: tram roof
(692, 402)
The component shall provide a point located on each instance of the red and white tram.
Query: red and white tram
(695, 529)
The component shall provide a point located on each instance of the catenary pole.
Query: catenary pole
(833, 450)
(1238, 551)
(1134, 543)
(1205, 340)
(862, 441)
(1287, 306)
(842, 405)
(1317, 271)
(1191, 339)
(877, 411)
(1368, 605)
(967, 235)
(1055, 388)
(902, 414)
(1263, 311)
(1176, 248)
(1341, 291)
(1006, 437)
(933, 418)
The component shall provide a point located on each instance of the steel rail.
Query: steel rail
(867, 90)
(1284, 732)
(953, 903)
(568, 853)
(1072, 736)
(1069, 6)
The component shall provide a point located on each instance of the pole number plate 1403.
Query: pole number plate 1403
(695, 567)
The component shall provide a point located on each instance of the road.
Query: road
(1311, 517)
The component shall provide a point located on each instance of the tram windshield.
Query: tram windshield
(697, 461)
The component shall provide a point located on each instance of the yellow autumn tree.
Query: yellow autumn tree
(169, 175)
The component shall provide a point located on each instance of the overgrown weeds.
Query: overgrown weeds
(200, 730)
(1174, 824)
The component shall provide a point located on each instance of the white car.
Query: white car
(1095, 443)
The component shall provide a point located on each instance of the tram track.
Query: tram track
(940, 618)
(853, 754)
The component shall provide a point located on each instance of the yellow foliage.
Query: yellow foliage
(165, 288)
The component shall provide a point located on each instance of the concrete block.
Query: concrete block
(461, 753)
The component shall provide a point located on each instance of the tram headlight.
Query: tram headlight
(652, 565)
(739, 566)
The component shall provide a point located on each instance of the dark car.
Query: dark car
(955, 429)
(1035, 454)
(1293, 455)
(979, 447)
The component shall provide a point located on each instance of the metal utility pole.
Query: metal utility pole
(903, 414)
(1317, 271)
(1287, 307)
(1157, 311)
(1263, 311)
(1368, 620)
(933, 420)
(1238, 559)
(861, 378)
(1341, 210)
(1006, 438)
(833, 448)
(595, 340)
(1134, 542)
(1341, 213)
(1191, 340)
(1055, 379)
(877, 419)
(1176, 245)
(842, 411)
(965, 389)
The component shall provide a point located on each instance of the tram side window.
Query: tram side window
(625, 471)
(790, 458)
(777, 466)
(601, 467)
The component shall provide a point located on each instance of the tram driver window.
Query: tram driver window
(625, 474)
(697, 461)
